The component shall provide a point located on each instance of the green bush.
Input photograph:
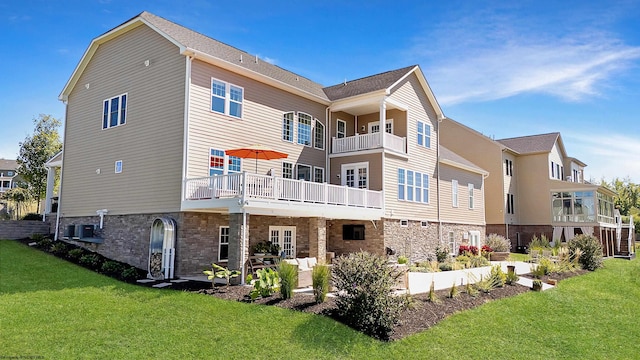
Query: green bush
(539, 243)
(445, 266)
(75, 254)
(366, 303)
(478, 261)
(512, 278)
(130, 274)
(320, 281)
(498, 243)
(591, 257)
(59, 249)
(442, 252)
(266, 283)
(37, 237)
(289, 279)
(44, 243)
(112, 268)
(497, 276)
(32, 216)
(403, 259)
(91, 261)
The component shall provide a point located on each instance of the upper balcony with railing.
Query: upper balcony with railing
(280, 196)
(370, 141)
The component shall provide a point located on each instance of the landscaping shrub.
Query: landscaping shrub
(539, 243)
(266, 283)
(112, 268)
(75, 254)
(44, 243)
(221, 272)
(445, 266)
(498, 243)
(32, 216)
(320, 281)
(59, 249)
(365, 302)
(442, 252)
(130, 274)
(289, 279)
(468, 250)
(37, 237)
(403, 259)
(512, 278)
(591, 257)
(497, 276)
(478, 261)
(91, 261)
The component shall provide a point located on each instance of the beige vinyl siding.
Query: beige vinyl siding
(349, 122)
(149, 144)
(261, 122)
(421, 159)
(534, 197)
(461, 214)
(486, 154)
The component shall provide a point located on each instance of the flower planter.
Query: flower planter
(499, 256)
(537, 285)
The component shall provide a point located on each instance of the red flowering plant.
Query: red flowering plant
(486, 249)
(468, 249)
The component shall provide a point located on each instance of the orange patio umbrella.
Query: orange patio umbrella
(256, 152)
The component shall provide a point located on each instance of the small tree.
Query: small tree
(18, 196)
(35, 151)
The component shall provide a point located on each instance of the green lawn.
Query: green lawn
(57, 310)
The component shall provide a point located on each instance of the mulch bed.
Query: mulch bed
(420, 316)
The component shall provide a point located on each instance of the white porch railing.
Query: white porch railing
(246, 186)
(367, 142)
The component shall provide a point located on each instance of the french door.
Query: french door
(285, 236)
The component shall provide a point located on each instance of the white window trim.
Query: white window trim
(310, 144)
(315, 128)
(424, 223)
(118, 167)
(404, 223)
(293, 125)
(474, 234)
(120, 123)
(225, 166)
(374, 123)
(454, 193)
(293, 170)
(424, 134)
(471, 197)
(227, 99)
(421, 188)
(220, 243)
(281, 230)
(314, 173)
(338, 133)
(355, 166)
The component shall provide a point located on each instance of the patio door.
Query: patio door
(356, 175)
(374, 127)
(285, 236)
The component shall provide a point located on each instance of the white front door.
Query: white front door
(285, 236)
(474, 238)
(374, 127)
(356, 175)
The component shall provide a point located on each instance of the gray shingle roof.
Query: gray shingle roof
(446, 154)
(367, 84)
(532, 143)
(196, 41)
(8, 164)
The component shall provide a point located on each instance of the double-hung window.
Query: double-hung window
(471, 196)
(318, 135)
(226, 98)
(223, 244)
(424, 134)
(510, 208)
(454, 193)
(318, 174)
(114, 111)
(413, 186)
(287, 170)
(287, 127)
(304, 129)
(508, 167)
(341, 129)
(217, 163)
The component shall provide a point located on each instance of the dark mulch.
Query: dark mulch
(420, 316)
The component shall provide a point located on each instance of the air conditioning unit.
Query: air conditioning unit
(85, 231)
(70, 231)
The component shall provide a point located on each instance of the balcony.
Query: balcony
(269, 195)
(367, 142)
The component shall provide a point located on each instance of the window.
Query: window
(404, 223)
(318, 174)
(424, 223)
(217, 163)
(9, 173)
(287, 170)
(304, 129)
(558, 174)
(118, 167)
(304, 172)
(454, 193)
(287, 127)
(470, 196)
(318, 136)
(285, 236)
(114, 111)
(341, 129)
(226, 98)
(510, 208)
(374, 127)
(452, 243)
(223, 244)
(508, 165)
(352, 232)
(424, 134)
(413, 187)
(553, 170)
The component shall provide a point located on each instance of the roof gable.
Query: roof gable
(367, 84)
(533, 143)
(11, 165)
(449, 157)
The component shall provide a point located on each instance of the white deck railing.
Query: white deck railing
(367, 142)
(246, 186)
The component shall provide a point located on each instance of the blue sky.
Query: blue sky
(505, 69)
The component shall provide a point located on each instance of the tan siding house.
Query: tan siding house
(153, 110)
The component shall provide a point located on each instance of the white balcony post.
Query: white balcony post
(243, 179)
(383, 121)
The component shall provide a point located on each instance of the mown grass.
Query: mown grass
(54, 309)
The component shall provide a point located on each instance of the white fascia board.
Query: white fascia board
(425, 86)
(354, 101)
(199, 55)
(464, 167)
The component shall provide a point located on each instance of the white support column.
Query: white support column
(51, 176)
(383, 121)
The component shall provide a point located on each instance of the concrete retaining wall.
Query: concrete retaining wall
(18, 229)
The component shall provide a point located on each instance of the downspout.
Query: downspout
(185, 140)
(327, 174)
(243, 242)
(440, 118)
(66, 116)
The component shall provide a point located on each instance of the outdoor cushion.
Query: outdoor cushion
(291, 261)
(312, 262)
(303, 264)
